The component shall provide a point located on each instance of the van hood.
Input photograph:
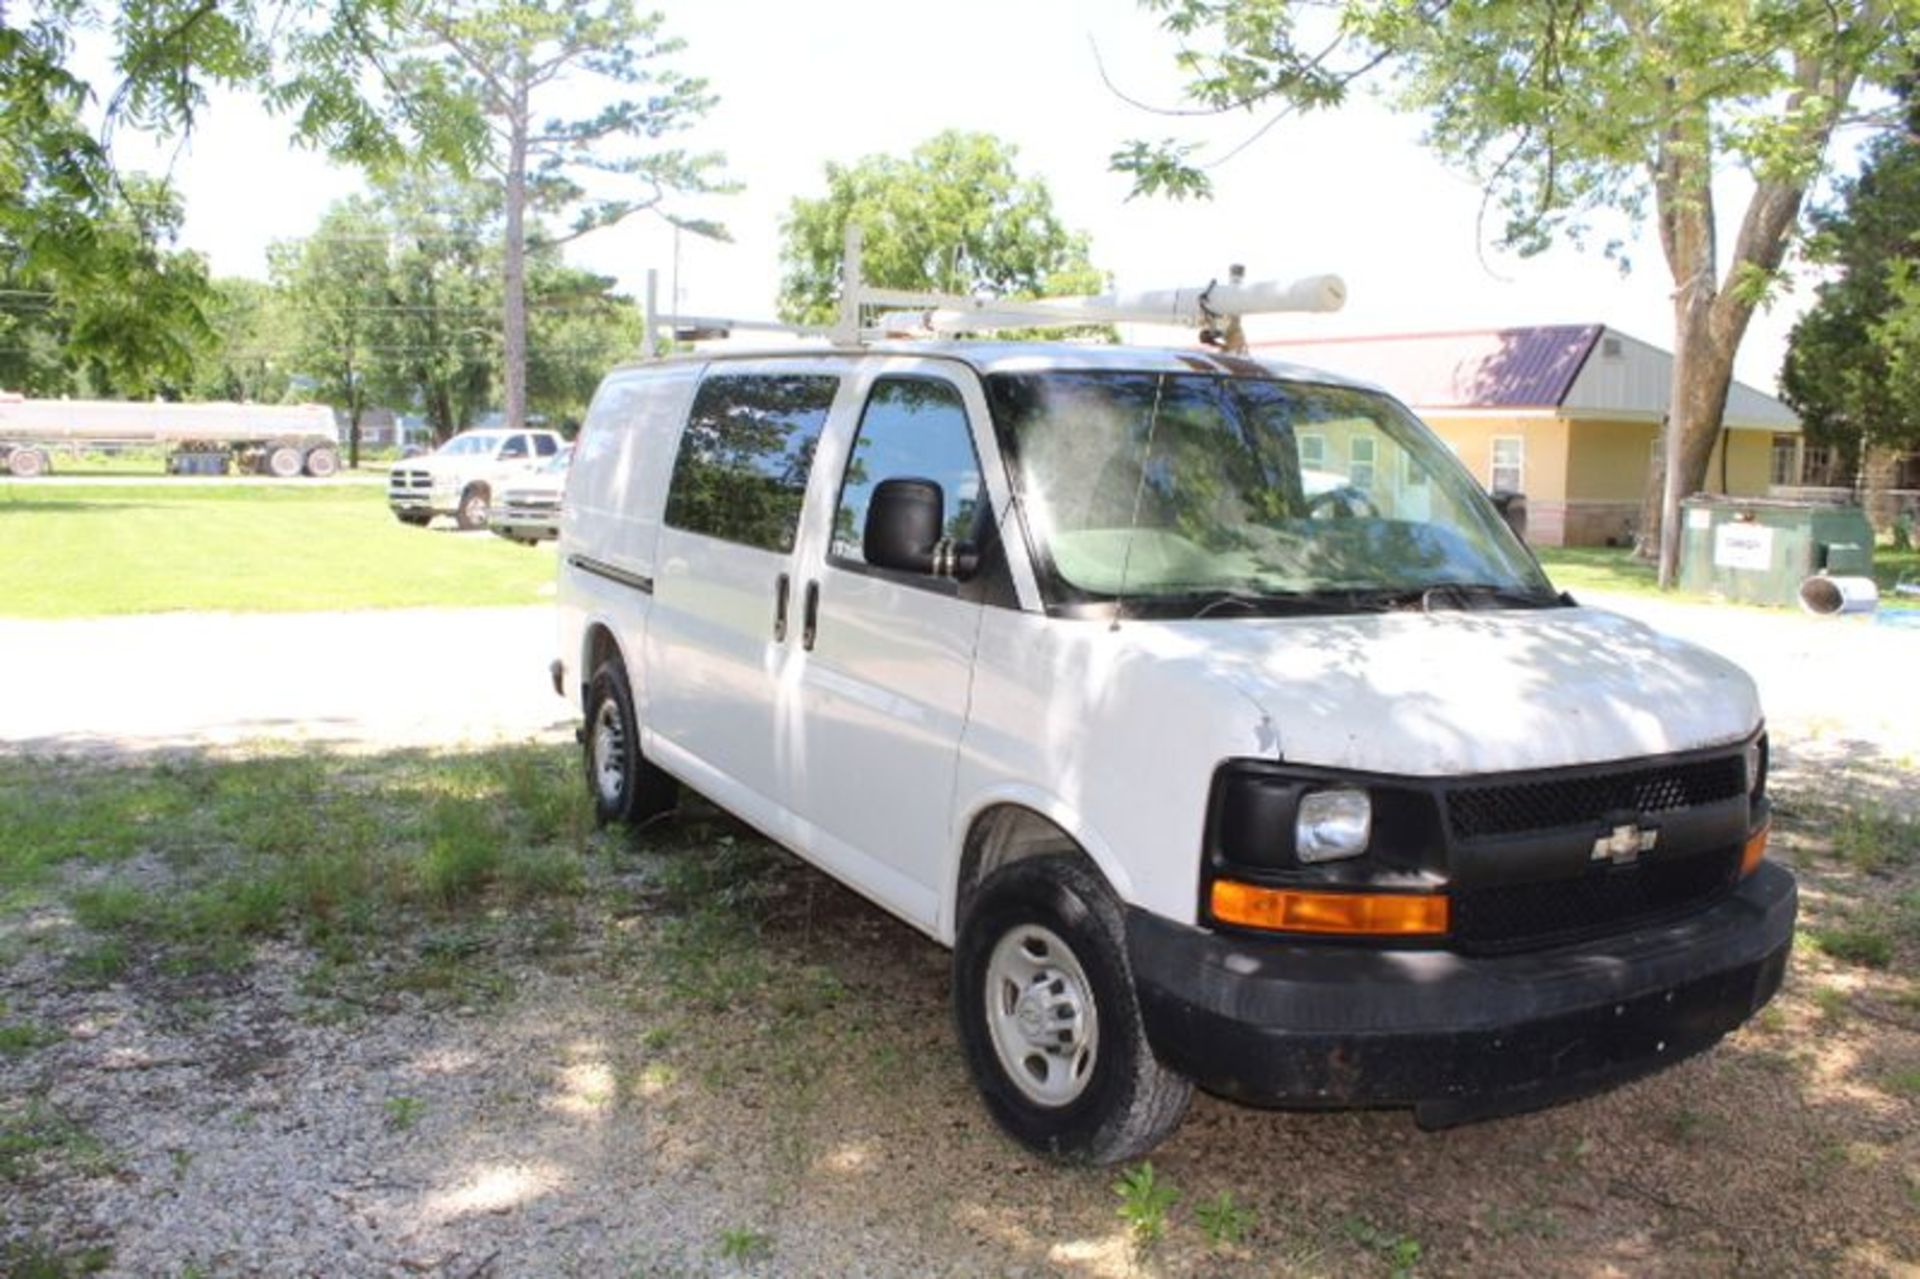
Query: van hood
(1462, 692)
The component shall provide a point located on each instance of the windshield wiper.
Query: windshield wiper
(1470, 595)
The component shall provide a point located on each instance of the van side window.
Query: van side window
(516, 446)
(741, 473)
(911, 427)
(545, 445)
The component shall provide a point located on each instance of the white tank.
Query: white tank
(140, 421)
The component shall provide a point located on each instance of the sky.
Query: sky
(1351, 191)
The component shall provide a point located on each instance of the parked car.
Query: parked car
(529, 509)
(462, 475)
(1307, 789)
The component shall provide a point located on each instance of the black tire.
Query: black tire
(283, 461)
(323, 461)
(1127, 1102)
(472, 511)
(625, 787)
(26, 464)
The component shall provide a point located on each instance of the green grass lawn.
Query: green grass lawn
(1605, 568)
(87, 551)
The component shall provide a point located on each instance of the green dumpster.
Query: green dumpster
(1757, 550)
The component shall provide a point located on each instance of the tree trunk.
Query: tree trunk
(516, 259)
(1710, 321)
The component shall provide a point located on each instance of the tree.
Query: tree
(953, 217)
(579, 328)
(336, 286)
(438, 344)
(1566, 110)
(1852, 368)
(245, 357)
(93, 243)
(113, 311)
(488, 64)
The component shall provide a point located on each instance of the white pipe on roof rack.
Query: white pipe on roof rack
(1184, 307)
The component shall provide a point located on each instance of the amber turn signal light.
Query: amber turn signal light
(1755, 851)
(1353, 914)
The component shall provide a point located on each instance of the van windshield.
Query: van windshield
(1198, 494)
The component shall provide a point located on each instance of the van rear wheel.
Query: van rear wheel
(1043, 1000)
(625, 787)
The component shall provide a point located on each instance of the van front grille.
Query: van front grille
(1509, 808)
(1508, 917)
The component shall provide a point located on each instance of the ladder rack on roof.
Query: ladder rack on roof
(1216, 309)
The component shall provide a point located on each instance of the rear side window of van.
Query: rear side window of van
(741, 473)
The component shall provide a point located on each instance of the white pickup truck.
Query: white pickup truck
(462, 475)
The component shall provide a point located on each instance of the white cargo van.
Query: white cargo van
(1303, 786)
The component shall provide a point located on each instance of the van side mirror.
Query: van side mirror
(905, 519)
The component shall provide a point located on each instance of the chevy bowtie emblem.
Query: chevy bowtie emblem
(1624, 846)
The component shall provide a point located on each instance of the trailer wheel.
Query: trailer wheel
(284, 461)
(323, 461)
(472, 513)
(25, 464)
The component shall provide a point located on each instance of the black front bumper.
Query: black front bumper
(1456, 1037)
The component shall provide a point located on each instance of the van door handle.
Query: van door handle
(780, 589)
(810, 619)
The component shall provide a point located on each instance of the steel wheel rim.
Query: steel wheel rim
(1041, 1016)
(609, 752)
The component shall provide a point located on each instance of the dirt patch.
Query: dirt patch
(710, 1060)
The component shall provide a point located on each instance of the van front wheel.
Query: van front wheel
(625, 787)
(1043, 1000)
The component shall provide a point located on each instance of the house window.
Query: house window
(1313, 452)
(1360, 462)
(1816, 465)
(1509, 464)
(1786, 449)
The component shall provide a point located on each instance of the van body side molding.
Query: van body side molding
(599, 568)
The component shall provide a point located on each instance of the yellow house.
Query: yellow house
(1566, 414)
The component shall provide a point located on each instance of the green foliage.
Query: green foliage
(1145, 1201)
(1224, 1220)
(403, 1112)
(1400, 1252)
(954, 217)
(739, 1244)
(1852, 368)
(30, 1259)
(335, 286)
(118, 310)
(482, 65)
(1561, 111)
(1861, 944)
(250, 337)
(114, 311)
(490, 72)
(1577, 120)
(465, 846)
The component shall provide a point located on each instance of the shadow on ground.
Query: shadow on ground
(408, 1012)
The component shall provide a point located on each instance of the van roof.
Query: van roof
(1028, 357)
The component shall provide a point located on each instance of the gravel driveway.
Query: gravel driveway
(369, 680)
(619, 1084)
(440, 677)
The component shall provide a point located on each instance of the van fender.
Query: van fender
(600, 620)
(1042, 804)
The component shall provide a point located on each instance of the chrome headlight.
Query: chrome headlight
(1332, 824)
